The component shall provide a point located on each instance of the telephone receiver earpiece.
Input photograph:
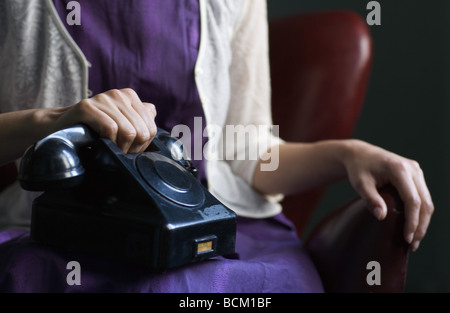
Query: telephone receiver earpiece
(54, 162)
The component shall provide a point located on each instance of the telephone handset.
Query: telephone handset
(147, 208)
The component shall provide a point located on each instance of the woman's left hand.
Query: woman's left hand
(370, 167)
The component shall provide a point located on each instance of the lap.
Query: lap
(269, 258)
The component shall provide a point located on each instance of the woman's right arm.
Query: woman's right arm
(116, 114)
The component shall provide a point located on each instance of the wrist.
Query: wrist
(46, 121)
(350, 148)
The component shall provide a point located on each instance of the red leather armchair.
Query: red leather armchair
(320, 67)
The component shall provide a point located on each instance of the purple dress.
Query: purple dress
(157, 59)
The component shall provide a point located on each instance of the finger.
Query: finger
(87, 112)
(130, 106)
(151, 113)
(125, 132)
(421, 230)
(426, 210)
(147, 111)
(408, 192)
(367, 189)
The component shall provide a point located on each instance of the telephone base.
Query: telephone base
(136, 238)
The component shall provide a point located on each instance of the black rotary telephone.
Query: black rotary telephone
(146, 208)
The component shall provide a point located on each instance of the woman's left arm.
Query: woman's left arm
(295, 167)
(304, 166)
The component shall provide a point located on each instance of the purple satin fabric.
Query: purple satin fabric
(270, 259)
(152, 46)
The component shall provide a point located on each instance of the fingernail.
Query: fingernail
(410, 238)
(415, 245)
(379, 213)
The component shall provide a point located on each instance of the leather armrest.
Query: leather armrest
(347, 239)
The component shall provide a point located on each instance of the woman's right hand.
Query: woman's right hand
(116, 114)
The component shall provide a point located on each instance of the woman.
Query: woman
(158, 63)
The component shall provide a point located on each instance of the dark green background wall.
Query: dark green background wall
(406, 111)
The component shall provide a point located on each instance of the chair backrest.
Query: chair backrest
(320, 66)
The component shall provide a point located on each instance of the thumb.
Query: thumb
(374, 202)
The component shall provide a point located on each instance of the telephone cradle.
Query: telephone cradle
(147, 208)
